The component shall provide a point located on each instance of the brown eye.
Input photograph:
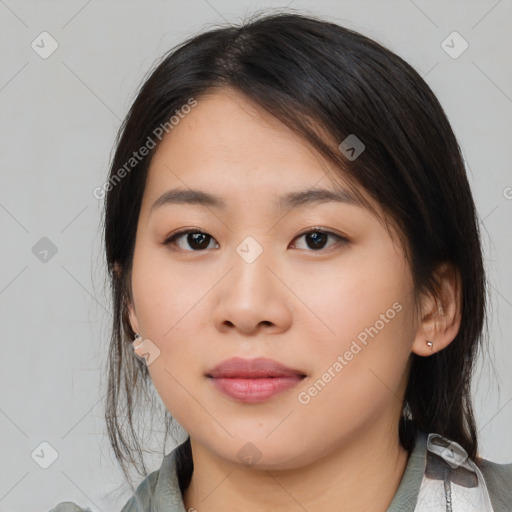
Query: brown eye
(196, 240)
(317, 239)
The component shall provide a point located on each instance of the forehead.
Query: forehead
(227, 132)
(229, 146)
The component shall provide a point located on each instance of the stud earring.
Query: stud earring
(430, 345)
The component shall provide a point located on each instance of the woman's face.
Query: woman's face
(259, 284)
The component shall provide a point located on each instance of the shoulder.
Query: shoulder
(139, 502)
(498, 478)
(144, 494)
(159, 491)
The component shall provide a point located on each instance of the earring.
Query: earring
(430, 345)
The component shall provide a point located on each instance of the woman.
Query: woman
(296, 267)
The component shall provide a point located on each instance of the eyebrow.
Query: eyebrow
(289, 200)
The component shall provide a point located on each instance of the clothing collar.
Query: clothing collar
(168, 498)
(407, 493)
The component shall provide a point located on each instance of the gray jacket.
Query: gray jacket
(160, 492)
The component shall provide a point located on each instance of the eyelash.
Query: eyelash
(171, 239)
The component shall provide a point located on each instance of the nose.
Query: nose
(252, 297)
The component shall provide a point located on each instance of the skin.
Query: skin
(296, 304)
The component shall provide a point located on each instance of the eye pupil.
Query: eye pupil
(319, 239)
(196, 240)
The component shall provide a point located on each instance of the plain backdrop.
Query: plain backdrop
(59, 117)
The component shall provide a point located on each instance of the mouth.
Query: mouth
(260, 367)
(253, 380)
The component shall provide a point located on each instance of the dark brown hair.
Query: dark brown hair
(325, 82)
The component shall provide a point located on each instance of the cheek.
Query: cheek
(166, 309)
(364, 295)
(365, 308)
(166, 297)
(359, 372)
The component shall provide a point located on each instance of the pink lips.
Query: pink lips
(253, 380)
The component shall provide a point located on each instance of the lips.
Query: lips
(258, 368)
(253, 380)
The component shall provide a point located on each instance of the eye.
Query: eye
(316, 239)
(196, 239)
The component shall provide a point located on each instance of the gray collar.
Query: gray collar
(406, 495)
(167, 496)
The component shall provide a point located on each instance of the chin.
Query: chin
(262, 454)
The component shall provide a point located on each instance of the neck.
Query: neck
(360, 474)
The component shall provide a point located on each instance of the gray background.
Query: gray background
(59, 116)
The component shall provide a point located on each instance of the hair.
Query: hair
(324, 82)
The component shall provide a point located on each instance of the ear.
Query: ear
(132, 316)
(440, 317)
